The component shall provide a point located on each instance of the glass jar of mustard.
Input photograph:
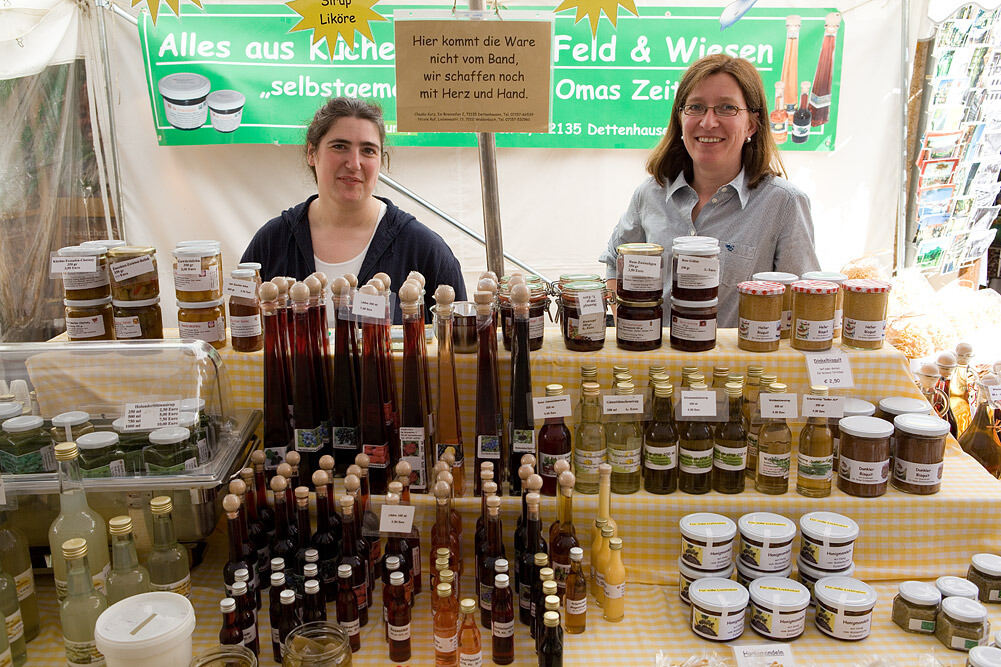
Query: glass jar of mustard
(68, 426)
(101, 455)
(245, 329)
(759, 326)
(89, 320)
(639, 325)
(962, 624)
(197, 274)
(693, 325)
(538, 306)
(25, 446)
(134, 274)
(838, 279)
(639, 271)
(844, 607)
(786, 280)
(864, 461)
(985, 574)
(919, 453)
(865, 313)
(202, 320)
(813, 305)
(138, 320)
(694, 269)
(81, 284)
(957, 587)
(582, 315)
(915, 606)
(170, 451)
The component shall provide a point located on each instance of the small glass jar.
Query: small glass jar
(687, 574)
(915, 607)
(582, 315)
(134, 274)
(759, 327)
(707, 540)
(957, 587)
(746, 574)
(463, 327)
(169, 452)
(919, 453)
(89, 320)
(227, 655)
(10, 409)
(694, 269)
(639, 271)
(962, 624)
(864, 461)
(206, 430)
(138, 320)
(809, 576)
(828, 541)
(853, 407)
(202, 320)
(865, 313)
(101, 455)
(538, 306)
(245, 330)
(253, 266)
(844, 607)
(68, 426)
(198, 439)
(197, 273)
(786, 280)
(766, 541)
(25, 446)
(317, 644)
(838, 279)
(813, 305)
(639, 325)
(778, 608)
(985, 574)
(718, 607)
(984, 656)
(693, 325)
(893, 406)
(89, 285)
(132, 444)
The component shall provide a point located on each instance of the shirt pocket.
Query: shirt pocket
(736, 262)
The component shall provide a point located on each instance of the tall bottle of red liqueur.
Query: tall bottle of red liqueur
(277, 425)
(369, 520)
(302, 512)
(285, 326)
(327, 538)
(305, 385)
(526, 469)
(566, 538)
(343, 385)
(455, 519)
(327, 466)
(396, 545)
(554, 445)
(264, 511)
(387, 372)
(351, 557)
(283, 546)
(237, 559)
(251, 538)
(414, 449)
(820, 96)
(374, 437)
(488, 283)
(522, 425)
(417, 278)
(449, 428)
(492, 550)
(489, 442)
(387, 348)
(368, 545)
(285, 470)
(257, 531)
(355, 341)
(413, 538)
(321, 357)
(480, 535)
(535, 544)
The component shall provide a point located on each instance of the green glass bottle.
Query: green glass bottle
(589, 443)
(127, 576)
(5, 656)
(79, 610)
(12, 616)
(168, 562)
(660, 443)
(730, 446)
(624, 446)
(15, 559)
(695, 452)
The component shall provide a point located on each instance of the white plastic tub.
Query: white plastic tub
(150, 629)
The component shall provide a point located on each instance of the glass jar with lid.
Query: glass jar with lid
(813, 305)
(231, 655)
(253, 266)
(957, 587)
(639, 271)
(919, 453)
(138, 320)
(203, 320)
(89, 320)
(639, 325)
(852, 407)
(132, 444)
(68, 426)
(693, 324)
(962, 624)
(838, 279)
(100, 455)
(538, 307)
(170, 451)
(199, 440)
(844, 607)
(865, 304)
(317, 644)
(206, 429)
(25, 446)
(10, 409)
(197, 273)
(889, 408)
(718, 608)
(759, 326)
(827, 541)
(81, 284)
(245, 312)
(985, 574)
(916, 606)
(694, 268)
(778, 607)
(582, 315)
(107, 244)
(786, 280)
(134, 274)
(984, 656)
(864, 463)
(206, 243)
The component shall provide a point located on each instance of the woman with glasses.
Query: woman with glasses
(717, 172)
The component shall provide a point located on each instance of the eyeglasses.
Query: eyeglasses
(723, 110)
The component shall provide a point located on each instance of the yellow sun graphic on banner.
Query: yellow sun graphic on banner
(593, 9)
(154, 7)
(335, 18)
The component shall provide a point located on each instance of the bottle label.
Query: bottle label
(398, 633)
(785, 625)
(523, 440)
(697, 272)
(586, 462)
(25, 463)
(5, 658)
(488, 447)
(625, 461)
(730, 458)
(864, 472)
(801, 131)
(114, 468)
(587, 327)
(774, 465)
(505, 629)
(615, 591)
(205, 280)
(76, 281)
(25, 584)
(547, 463)
(779, 126)
(181, 586)
(350, 627)
(128, 327)
(361, 593)
(524, 595)
(308, 439)
(693, 329)
(695, 461)
(82, 653)
(815, 467)
(378, 455)
(448, 644)
(637, 331)
(847, 627)
(209, 332)
(486, 596)
(819, 101)
(15, 626)
(245, 326)
(921, 474)
(276, 636)
(576, 607)
(468, 659)
(249, 634)
(814, 330)
(85, 327)
(759, 332)
(660, 458)
(642, 273)
(345, 437)
(132, 268)
(752, 444)
(864, 329)
(536, 325)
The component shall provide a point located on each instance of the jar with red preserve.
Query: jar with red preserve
(693, 324)
(582, 315)
(639, 325)
(695, 268)
(639, 272)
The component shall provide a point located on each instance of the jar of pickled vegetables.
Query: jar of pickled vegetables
(202, 320)
(133, 273)
(170, 451)
(91, 319)
(86, 285)
(69, 426)
(138, 320)
(100, 455)
(132, 444)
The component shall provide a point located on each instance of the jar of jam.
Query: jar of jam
(920, 450)
(253, 266)
(853, 407)
(786, 280)
(639, 272)
(202, 320)
(138, 320)
(864, 463)
(639, 325)
(865, 303)
(759, 325)
(134, 274)
(90, 319)
(86, 285)
(837, 279)
(813, 305)
(694, 269)
(25, 446)
(693, 324)
(582, 315)
(68, 426)
(197, 273)
(538, 307)
(245, 315)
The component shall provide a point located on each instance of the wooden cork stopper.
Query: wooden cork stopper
(353, 469)
(301, 492)
(534, 482)
(440, 467)
(560, 466)
(486, 285)
(524, 471)
(528, 459)
(442, 490)
(418, 276)
(377, 284)
(362, 460)
(299, 293)
(409, 296)
(566, 479)
(520, 295)
(604, 469)
(533, 499)
(293, 459)
(489, 274)
(322, 277)
(285, 470)
(447, 478)
(493, 502)
(238, 487)
(257, 457)
(395, 487)
(483, 298)
(282, 283)
(404, 469)
(352, 280)
(351, 483)
(319, 478)
(347, 504)
(448, 456)
(327, 462)
(386, 281)
(268, 292)
(392, 498)
(231, 503)
(314, 285)
(370, 290)
(444, 297)
(279, 484)
(247, 475)
(339, 286)
(489, 489)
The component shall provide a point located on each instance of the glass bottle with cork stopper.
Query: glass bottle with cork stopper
(554, 444)
(522, 426)
(566, 538)
(730, 446)
(489, 416)
(815, 460)
(774, 451)
(448, 426)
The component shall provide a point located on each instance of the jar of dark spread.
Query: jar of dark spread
(639, 325)
(864, 463)
(639, 271)
(582, 315)
(694, 269)
(693, 324)
(138, 320)
(920, 450)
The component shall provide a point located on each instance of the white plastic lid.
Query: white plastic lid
(708, 527)
(899, 405)
(827, 527)
(187, 419)
(199, 242)
(984, 656)
(196, 305)
(856, 407)
(86, 303)
(141, 303)
(243, 274)
(776, 277)
(137, 627)
(919, 592)
(989, 564)
(10, 409)
(767, 527)
(964, 610)
(829, 276)
(253, 266)
(923, 425)
(72, 418)
(169, 435)
(22, 424)
(226, 100)
(103, 243)
(193, 404)
(195, 251)
(97, 440)
(813, 573)
(82, 251)
(719, 595)
(750, 572)
(710, 303)
(779, 594)
(694, 240)
(701, 249)
(957, 587)
(845, 593)
(866, 427)
(184, 86)
(695, 573)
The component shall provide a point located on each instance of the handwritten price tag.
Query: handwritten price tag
(591, 303)
(823, 406)
(244, 289)
(548, 407)
(369, 305)
(63, 265)
(396, 518)
(830, 368)
(698, 404)
(622, 405)
(778, 406)
(144, 416)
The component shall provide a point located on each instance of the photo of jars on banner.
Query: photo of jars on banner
(695, 271)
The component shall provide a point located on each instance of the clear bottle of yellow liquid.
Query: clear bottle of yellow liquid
(599, 523)
(774, 452)
(601, 566)
(815, 469)
(615, 583)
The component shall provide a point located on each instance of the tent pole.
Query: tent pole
(102, 6)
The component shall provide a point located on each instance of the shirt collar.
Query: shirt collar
(739, 185)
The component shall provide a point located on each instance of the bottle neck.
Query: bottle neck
(604, 496)
(663, 408)
(565, 512)
(71, 493)
(735, 402)
(123, 552)
(322, 511)
(281, 517)
(235, 539)
(78, 581)
(163, 531)
(348, 544)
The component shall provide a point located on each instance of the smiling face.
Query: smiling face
(715, 142)
(347, 161)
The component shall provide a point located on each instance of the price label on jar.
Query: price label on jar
(396, 518)
(243, 289)
(151, 415)
(823, 406)
(372, 306)
(778, 406)
(130, 268)
(830, 368)
(591, 303)
(622, 405)
(64, 265)
(698, 272)
(189, 267)
(548, 407)
(641, 272)
(698, 404)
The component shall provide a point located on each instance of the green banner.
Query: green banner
(234, 74)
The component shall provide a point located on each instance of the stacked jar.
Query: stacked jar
(87, 293)
(198, 287)
(639, 292)
(765, 546)
(707, 542)
(538, 307)
(827, 547)
(814, 305)
(581, 313)
(135, 289)
(695, 272)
